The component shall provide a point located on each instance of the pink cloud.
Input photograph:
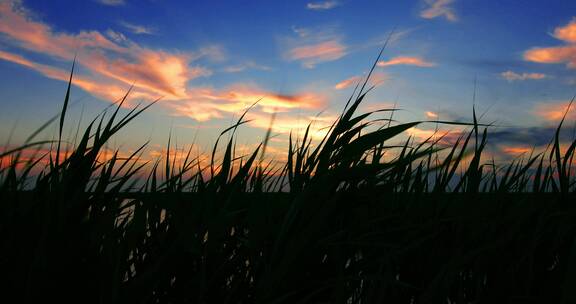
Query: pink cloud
(558, 54)
(407, 60)
(561, 54)
(312, 54)
(554, 111)
(375, 79)
(111, 64)
(155, 72)
(352, 81)
(104, 90)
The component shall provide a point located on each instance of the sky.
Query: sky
(207, 61)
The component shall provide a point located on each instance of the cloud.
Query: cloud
(137, 29)
(116, 36)
(431, 115)
(322, 6)
(512, 76)
(101, 89)
(514, 150)
(207, 103)
(529, 137)
(352, 81)
(562, 54)
(300, 31)
(313, 54)
(558, 54)
(245, 66)
(439, 8)
(554, 111)
(312, 46)
(286, 124)
(111, 59)
(445, 137)
(246, 95)
(376, 78)
(406, 60)
(111, 2)
(110, 63)
(566, 33)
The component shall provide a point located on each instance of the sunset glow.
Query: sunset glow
(208, 63)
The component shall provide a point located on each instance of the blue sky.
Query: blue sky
(208, 60)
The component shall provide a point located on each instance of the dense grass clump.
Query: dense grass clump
(338, 223)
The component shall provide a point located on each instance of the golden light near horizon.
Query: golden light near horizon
(305, 63)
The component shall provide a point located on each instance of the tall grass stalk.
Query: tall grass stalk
(353, 218)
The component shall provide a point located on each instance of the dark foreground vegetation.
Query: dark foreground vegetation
(338, 223)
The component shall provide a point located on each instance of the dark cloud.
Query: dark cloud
(533, 136)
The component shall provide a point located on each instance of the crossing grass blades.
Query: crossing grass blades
(339, 222)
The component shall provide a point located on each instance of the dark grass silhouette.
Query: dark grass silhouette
(336, 224)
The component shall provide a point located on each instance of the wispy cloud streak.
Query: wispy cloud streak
(407, 60)
(155, 72)
(512, 76)
(311, 55)
(249, 65)
(439, 8)
(322, 6)
(207, 103)
(376, 78)
(111, 2)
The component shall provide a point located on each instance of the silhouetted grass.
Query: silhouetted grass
(338, 223)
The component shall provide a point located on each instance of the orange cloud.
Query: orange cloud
(348, 82)
(439, 8)
(207, 103)
(406, 60)
(567, 33)
(559, 54)
(310, 55)
(421, 133)
(154, 72)
(554, 111)
(284, 124)
(101, 89)
(515, 149)
(42, 155)
(378, 78)
(111, 63)
(430, 114)
(512, 76)
(446, 137)
(562, 54)
(247, 96)
(375, 79)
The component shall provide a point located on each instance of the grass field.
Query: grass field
(339, 222)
